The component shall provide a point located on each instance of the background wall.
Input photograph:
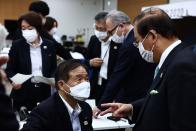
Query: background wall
(11, 9)
(109, 5)
(75, 16)
(133, 7)
(172, 1)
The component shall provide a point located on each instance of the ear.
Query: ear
(60, 84)
(154, 35)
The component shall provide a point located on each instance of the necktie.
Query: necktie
(75, 121)
(156, 71)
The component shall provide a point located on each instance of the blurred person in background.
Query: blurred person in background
(3, 35)
(8, 119)
(51, 26)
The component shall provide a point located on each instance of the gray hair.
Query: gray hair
(118, 17)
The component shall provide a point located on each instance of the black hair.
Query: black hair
(32, 19)
(155, 19)
(40, 7)
(100, 16)
(64, 68)
(49, 23)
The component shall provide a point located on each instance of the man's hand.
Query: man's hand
(117, 109)
(96, 112)
(3, 60)
(96, 62)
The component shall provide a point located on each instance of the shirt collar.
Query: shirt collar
(167, 51)
(129, 31)
(39, 44)
(69, 108)
(107, 42)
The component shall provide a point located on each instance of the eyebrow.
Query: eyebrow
(79, 75)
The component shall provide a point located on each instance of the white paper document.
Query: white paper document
(20, 78)
(102, 123)
(42, 79)
(91, 102)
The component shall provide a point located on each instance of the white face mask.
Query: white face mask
(116, 38)
(53, 31)
(146, 55)
(80, 92)
(30, 35)
(100, 35)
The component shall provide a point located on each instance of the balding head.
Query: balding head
(155, 19)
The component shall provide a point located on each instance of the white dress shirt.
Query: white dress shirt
(74, 115)
(167, 51)
(105, 51)
(36, 59)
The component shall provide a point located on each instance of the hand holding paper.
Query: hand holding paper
(20, 78)
(41, 79)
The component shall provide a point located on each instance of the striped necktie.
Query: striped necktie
(156, 71)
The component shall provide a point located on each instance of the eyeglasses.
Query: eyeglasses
(136, 43)
(110, 32)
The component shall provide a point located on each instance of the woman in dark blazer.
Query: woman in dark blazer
(31, 55)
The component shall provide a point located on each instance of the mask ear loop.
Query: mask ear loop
(152, 47)
(145, 37)
(64, 89)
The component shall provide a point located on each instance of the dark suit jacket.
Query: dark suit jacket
(131, 77)
(8, 120)
(94, 50)
(52, 115)
(172, 109)
(20, 62)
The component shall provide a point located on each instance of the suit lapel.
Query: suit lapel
(63, 113)
(44, 49)
(26, 57)
(83, 119)
(129, 38)
(160, 76)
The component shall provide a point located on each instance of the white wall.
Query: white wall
(77, 16)
(172, 1)
(74, 16)
(110, 5)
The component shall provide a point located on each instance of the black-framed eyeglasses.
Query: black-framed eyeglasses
(110, 32)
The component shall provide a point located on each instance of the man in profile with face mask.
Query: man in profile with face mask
(66, 109)
(132, 75)
(101, 56)
(169, 104)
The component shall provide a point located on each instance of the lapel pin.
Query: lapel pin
(154, 92)
(45, 47)
(161, 75)
(115, 47)
(85, 123)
